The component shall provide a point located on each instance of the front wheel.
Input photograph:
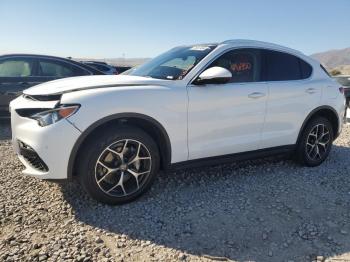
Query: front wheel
(119, 165)
(315, 142)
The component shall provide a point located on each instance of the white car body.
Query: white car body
(199, 121)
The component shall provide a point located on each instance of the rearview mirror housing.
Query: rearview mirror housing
(213, 75)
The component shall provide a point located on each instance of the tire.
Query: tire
(312, 148)
(118, 165)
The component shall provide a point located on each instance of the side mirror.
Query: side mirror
(213, 75)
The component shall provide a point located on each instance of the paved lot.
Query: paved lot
(264, 210)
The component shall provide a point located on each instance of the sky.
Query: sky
(140, 28)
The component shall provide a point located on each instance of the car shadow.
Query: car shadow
(263, 210)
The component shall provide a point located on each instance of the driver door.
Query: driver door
(228, 118)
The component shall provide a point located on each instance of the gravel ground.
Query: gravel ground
(264, 210)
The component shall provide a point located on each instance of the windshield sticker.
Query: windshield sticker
(199, 48)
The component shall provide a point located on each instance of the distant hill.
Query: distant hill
(334, 58)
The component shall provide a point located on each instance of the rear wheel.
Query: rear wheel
(315, 142)
(119, 165)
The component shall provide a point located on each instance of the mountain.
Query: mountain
(334, 58)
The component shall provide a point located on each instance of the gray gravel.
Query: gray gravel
(264, 210)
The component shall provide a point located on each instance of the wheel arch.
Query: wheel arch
(324, 111)
(151, 126)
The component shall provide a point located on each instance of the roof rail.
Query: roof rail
(259, 43)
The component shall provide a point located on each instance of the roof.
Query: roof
(36, 55)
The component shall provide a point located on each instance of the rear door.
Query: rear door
(292, 95)
(51, 69)
(16, 74)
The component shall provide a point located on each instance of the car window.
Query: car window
(99, 67)
(174, 64)
(244, 65)
(52, 68)
(281, 66)
(181, 63)
(15, 68)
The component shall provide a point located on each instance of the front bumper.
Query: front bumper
(44, 151)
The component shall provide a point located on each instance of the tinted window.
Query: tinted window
(306, 69)
(52, 68)
(15, 68)
(99, 67)
(280, 66)
(243, 64)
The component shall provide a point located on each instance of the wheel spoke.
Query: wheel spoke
(106, 167)
(320, 131)
(136, 157)
(311, 149)
(115, 152)
(120, 183)
(136, 175)
(139, 158)
(324, 145)
(124, 147)
(105, 175)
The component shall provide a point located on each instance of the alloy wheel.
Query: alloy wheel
(317, 142)
(123, 167)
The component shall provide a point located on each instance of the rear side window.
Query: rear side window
(52, 68)
(16, 67)
(279, 66)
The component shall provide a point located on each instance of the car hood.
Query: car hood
(71, 84)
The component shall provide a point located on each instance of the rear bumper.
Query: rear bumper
(44, 151)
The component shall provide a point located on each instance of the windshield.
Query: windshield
(174, 64)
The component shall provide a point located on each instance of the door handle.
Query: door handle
(311, 90)
(256, 95)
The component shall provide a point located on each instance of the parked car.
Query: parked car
(344, 80)
(21, 71)
(200, 104)
(122, 69)
(103, 67)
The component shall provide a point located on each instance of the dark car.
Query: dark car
(122, 69)
(21, 71)
(344, 80)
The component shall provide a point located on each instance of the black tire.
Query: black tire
(302, 155)
(94, 150)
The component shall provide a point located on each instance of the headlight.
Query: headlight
(52, 116)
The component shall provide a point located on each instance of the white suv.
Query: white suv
(195, 104)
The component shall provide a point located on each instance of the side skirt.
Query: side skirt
(250, 155)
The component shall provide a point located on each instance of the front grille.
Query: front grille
(32, 157)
